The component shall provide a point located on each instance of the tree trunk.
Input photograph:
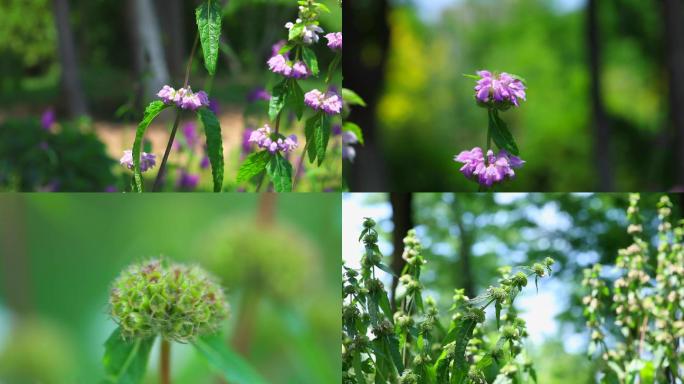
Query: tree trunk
(673, 14)
(366, 29)
(68, 60)
(173, 27)
(464, 270)
(150, 50)
(601, 125)
(402, 217)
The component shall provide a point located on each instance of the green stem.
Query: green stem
(162, 167)
(299, 166)
(165, 362)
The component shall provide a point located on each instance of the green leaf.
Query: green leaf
(461, 333)
(208, 16)
(125, 361)
(311, 131)
(295, 98)
(476, 77)
(286, 48)
(151, 112)
(280, 172)
(355, 129)
(232, 366)
(277, 99)
(322, 138)
(310, 60)
(352, 98)
(500, 134)
(253, 165)
(212, 130)
(358, 372)
(295, 31)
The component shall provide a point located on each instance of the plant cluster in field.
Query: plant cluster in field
(638, 326)
(177, 303)
(495, 92)
(405, 341)
(294, 60)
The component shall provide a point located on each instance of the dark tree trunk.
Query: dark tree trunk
(150, 51)
(600, 122)
(68, 60)
(464, 270)
(673, 13)
(402, 217)
(13, 253)
(173, 29)
(367, 38)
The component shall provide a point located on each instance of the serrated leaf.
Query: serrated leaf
(212, 131)
(208, 17)
(232, 366)
(352, 98)
(358, 372)
(462, 333)
(277, 102)
(500, 134)
(280, 172)
(254, 164)
(310, 60)
(310, 131)
(384, 304)
(392, 345)
(151, 112)
(125, 361)
(355, 129)
(322, 138)
(295, 98)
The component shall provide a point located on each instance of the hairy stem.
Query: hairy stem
(300, 165)
(165, 362)
(162, 167)
(189, 66)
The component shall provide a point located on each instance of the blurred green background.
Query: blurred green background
(60, 253)
(116, 70)
(407, 58)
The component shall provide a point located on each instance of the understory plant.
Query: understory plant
(293, 61)
(405, 341)
(496, 92)
(634, 309)
(175, 303)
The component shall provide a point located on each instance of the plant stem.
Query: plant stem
(165, 362)
(299, 166)
(162, 167)
(192, 53)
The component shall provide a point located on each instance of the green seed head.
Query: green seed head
(178, 302)
(520, 279)
(368, 223)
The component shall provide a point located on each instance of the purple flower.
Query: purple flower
(310, 32)
(246, 144)
(184, 97)
(111, 188)
(214, 106)
(187, 181)
(257, 94)
(147, 160)
(490, 170)
(329, 102)
(262, 137)
(282, 65)
(204, 163)
(190, 134)
(275, 48)
(503, 90)
(336, 130)
(48, 119)
(334, 40)
(348, 152)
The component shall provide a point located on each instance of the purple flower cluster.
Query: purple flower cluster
(147, 160)
(48, 119)
(257, 94)
(262, 138)
(187, 181)
(334, 41)
(309, 33)
(487, 172)
(329, 102)
(348, 152)
(184, 98)
(502, 90)
(282, 65)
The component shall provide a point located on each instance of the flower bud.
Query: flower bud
(178, 302)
